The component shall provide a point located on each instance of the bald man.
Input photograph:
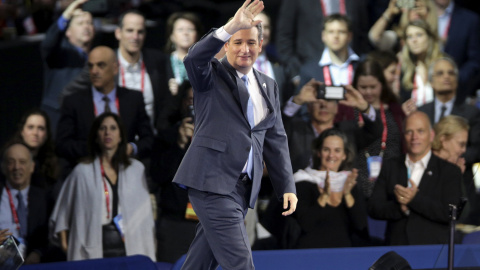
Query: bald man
(79, 110)
(413, 192)
(64, 51)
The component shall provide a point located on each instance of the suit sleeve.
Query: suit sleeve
(198, 61)
(51, 47)
(79, 83)
(382, 203)
(276, 155)
(68, 144)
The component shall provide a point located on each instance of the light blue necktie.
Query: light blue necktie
(251, 121)
(22, 214)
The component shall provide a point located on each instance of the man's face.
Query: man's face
(336, 36)
(132, 34)
(243, 48)
(80, 30)
(102, 67)
(418, 136)
(18, 166)
(323, 111)
(444, 79)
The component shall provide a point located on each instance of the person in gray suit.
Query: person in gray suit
(238, 127)
(443, 76)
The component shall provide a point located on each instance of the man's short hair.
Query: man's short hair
(434, 62)
(133, 11)
(337, 17)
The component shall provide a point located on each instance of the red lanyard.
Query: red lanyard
(328, 79)
(117, 104)
(142, 72)
(12, 207)
(342, 11)
(107, 193)
(447, 28)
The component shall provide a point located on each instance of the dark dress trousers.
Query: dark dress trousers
(428, 221)
(218, 152)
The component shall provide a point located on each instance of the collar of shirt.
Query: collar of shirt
(423, 162)
(135, 67)
(97, 96)
(438, 107)
(14, 193)
(327, 60)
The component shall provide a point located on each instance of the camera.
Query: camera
(191, 113)
(331, 92)
(406, 4)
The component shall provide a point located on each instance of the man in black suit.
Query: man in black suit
(443, 76)
(140, 69)
(23, 208)
(413, 193)
(80, 109)
(64, 51)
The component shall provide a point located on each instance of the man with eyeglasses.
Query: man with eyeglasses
(443, 76)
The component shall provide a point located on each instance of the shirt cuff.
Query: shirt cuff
(135, 148)
(221, 34)
(291, 108)
(62, 23)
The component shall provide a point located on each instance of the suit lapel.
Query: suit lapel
(239, 91)
(428, 173)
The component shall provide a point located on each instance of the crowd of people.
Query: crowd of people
(89, 173)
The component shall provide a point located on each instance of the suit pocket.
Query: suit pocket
(214, 144)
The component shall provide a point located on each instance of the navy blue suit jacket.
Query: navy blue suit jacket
(223, 137)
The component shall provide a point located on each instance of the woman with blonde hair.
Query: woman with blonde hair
(421, 48)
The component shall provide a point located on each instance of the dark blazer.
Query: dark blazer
(38, 213)
(428, 220)
(463, 45)
(223, 137)
(156, 68)
(299, 31)
(472, 115)
(78, 114)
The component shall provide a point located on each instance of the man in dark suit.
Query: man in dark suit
(413, 193)
(458, 28)
(299, 29)
(443, 76)
(64, 51)
(80, 109)
(26, 220)
(238, 126)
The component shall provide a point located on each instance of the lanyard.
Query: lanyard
(385, 129)
(447, 28)
(107, 194)
(14, 211)
(328, 79)
(341, 11)
(142, 72)
(117, 104)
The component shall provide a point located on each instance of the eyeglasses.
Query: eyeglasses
(441, 73)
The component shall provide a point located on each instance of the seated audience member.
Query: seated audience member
(266, 61)
(338, 60)
(24, 209)
(34, 131)
(64, 51)
(332, 208)
(321, 114)
(388, 61)
(443, 75)
(421, 48)
(175, 221)
(300, 24)
(371, 83)
(80, 109)
(104, 208)
(413, 193)
(385, 39)
(141, 69)
(183, 30)
(458, 30)
(450, 143)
